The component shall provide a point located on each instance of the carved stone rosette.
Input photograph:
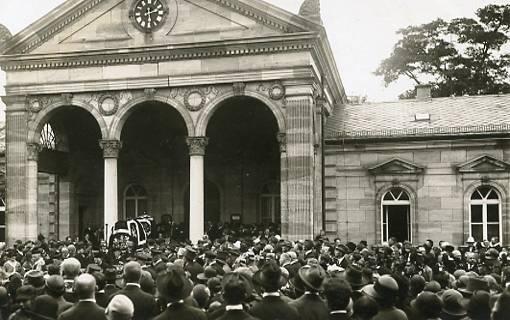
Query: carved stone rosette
(197, 145)
(150, 93)
(277, 91)
(110, 148)
(194, 100)
(108, 104)
(282, 140)
(33, 150)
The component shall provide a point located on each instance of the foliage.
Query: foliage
(463, 56)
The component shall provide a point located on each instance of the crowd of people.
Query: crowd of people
(245, 273)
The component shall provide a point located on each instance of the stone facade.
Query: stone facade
(92, 57)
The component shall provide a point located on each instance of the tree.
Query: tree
(463, 56)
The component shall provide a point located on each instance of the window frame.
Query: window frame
(395, 202)
(484, 202)
(136, 199)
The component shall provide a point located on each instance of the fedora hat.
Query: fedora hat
(174, 285)
(209, 272)
(384, 287)
(475, 284)
(354, 276)
(312, 276)
(269, 276)
(452, 303)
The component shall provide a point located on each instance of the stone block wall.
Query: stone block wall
(440, 186)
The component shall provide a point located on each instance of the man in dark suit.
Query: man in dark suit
(272, 306)
(86, 307)
(310, 306)
(55, 288)
(145, 304)
(338, 294)
(236, 289)
(175, 288)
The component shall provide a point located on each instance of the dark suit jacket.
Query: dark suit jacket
(271, 308)
(311, 307)
(145, 304)
(181, 311)
(83, 310)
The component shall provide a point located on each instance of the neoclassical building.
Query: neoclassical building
(205, 110)
(233, 110)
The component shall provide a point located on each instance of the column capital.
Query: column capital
(110, 148)
(197, 145)
(33, 150)
(282, 141)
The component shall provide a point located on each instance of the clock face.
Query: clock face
(149, 15)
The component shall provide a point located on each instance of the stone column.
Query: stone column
(16, 160)
(196, 186)
(111, 150)
(33, 150)
(300, 163)
(282, 141)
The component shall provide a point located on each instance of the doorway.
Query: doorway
(396, 215)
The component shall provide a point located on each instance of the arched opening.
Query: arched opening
(70, 174)
(153, 165)
(242, 155)
(485, 214)
(396, 215)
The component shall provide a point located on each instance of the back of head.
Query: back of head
(85, 286)
(428, 305)
(120, 308)
(55, 286)
(132, 272)
(365, 307)
(201, 294)
(478, 306)
(235, 288)
(501, 308)
(338, 293)
(147, 282)
(70, 268)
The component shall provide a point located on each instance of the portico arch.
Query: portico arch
(35, 127)
(126, 110)
(210, 109)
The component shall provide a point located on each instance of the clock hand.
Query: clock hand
(149, 12)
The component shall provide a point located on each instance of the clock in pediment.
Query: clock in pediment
(148, 15)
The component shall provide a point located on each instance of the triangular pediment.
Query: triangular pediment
(83, 25)
(396, 166)
(482, 164)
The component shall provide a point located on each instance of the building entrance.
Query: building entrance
(396, 215)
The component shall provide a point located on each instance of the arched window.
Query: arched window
(396, 215)
(48, 140)
(135, 201)
(485, 214)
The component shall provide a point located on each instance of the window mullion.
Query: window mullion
(484, 220)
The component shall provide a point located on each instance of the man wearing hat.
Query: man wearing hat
(385, 292)
(453, 306)
(190, 264)
(354, 275)
(272, 306)
(35, 278)
(236, 290)
(174, 287)
(25, 295)
(338, 295)
(144, 303)
(111, 277)
(310, 306)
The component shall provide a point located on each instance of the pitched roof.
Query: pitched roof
(448, 116)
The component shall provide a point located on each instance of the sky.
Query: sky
(361, 32)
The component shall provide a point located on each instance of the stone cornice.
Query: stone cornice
(159, 82)
(160, 53)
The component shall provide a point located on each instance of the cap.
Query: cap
(121, 304)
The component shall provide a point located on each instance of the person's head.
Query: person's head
(201, 294)
(147, 282)
(55, 286)
(173, 285)
(132, 272)
(270, 277)
(417, 284)
(70, 268)
(385, 291)
(338, 293)
(25, 296)
(478, 307)
(427, 305)
(85, 286)
(236, 288)
(120, 308)
(365, 308)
